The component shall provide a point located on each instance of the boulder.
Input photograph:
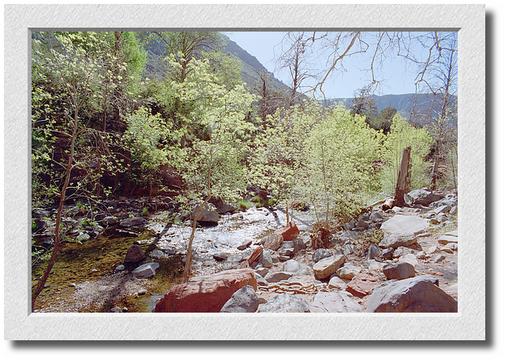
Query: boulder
(326, 267)
(362, 285)
(418, 294)
(133, 222)
(448, 238)
(267, 259)
(278, 276)
(135, 254)
(273, 242)
(262, 271)
(243, 300)
(291, 266)
(221, 256)
(222, 207)
(408, 258)
(334, 302)
(320, 254)
(206, 216)
(348, 271)
(337, 283)
(401, 230)
(399, 271)
(422, 197)
(285, 303)
(374, 265)
(146, 270)
(206, 293)
(374, 252)
(287, 249)
(244, 245)
(255, 256)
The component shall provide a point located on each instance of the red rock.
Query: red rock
(290, 232)
(362, 285)
(255, 256)
(206, 293)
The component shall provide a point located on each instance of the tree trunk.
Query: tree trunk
(189, 252)
(59, 213)
(403, 180)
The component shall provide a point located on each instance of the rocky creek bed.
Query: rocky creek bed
(381, 258)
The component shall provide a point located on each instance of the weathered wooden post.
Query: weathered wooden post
(403, 180)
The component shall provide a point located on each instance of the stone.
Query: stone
(221, 256)
(278, 276)
(401, 230)
(443, 209)
(157, 254)
(146, 270)
(262, 271)
(326, 267)
(374, 265)
(422, 197)
(337, 283)
(348, 271)
(287, 249)
(284, 303)
(133, 222)
(243, 300)
(267, 259)
(82, 237)
(417, 294)
(320, 254)
(289, 232)
(374, 252)
(255, 256)
(334, 302)
(408, 258)
(206, 293)
(448, 238)
(273, 242)
(438, 258)
(120, 268)
(244, 245)
(348, 249)
(402, 250)
(399, 271)
(206, 216)
(447, 249)
(222, 207)
(387, 254)
(291, 266)
(135, 254)
(362, 285)
(377, 216)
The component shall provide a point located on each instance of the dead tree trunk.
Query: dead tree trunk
(403, 180)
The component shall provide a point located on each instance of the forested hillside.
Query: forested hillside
(136, 134)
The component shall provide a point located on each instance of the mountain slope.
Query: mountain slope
(420, 109)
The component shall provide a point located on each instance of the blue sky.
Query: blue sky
(396, 74)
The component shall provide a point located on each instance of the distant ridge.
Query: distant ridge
(420, 109)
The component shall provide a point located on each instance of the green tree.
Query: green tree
(403, 134)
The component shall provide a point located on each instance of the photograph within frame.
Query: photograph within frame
(463, 112)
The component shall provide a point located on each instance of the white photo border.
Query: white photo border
(468, 324)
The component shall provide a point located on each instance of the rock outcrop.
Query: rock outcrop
(206, 293)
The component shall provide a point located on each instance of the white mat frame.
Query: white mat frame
(467, 324)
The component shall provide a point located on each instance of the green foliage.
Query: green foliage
(338, 176)
(144, 136)
(403, 134)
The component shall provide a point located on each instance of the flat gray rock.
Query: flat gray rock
(146, 270)
(334, 302)
(285, 303)
(242, 300)
(401, 230)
